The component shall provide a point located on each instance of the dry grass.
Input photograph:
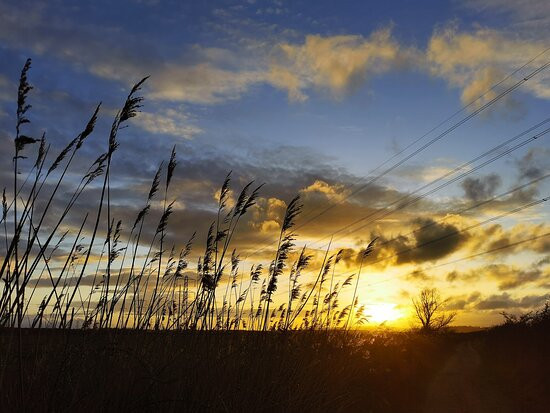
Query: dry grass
(213, 348)
(118, 370)
(129, 291)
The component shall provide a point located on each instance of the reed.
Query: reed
(139, 283)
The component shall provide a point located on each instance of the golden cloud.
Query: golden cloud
(202, 83)
(337, 63)
(476, 61)
(334, 192)
(172, 122)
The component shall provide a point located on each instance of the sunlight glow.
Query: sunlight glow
(380, 312)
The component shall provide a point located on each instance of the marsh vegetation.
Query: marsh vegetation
(153, 332)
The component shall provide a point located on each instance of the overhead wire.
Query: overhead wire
(437, 138)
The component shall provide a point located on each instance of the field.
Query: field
(117, 295)
(503, 369)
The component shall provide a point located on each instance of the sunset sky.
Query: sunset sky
(321, 99)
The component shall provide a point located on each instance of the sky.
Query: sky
(333, 101)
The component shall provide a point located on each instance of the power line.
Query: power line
(430, 192)
(426, 145)
(466, 229)
(457, 232)
(493, 250)
(447, 174)
(437, 138)
(462, 109)
(455, 126)
(469, 208)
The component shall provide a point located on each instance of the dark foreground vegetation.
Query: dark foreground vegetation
(151, 342)
(516, 358)
(502, 369)
(143, 283)
(220, 371)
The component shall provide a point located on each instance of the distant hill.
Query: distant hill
(467, 329)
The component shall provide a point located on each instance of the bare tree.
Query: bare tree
(430, 310)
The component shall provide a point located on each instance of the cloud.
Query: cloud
(428, 241)
(496, 236)
(85, 281)
(418, 275)
(474, 61)
(493, 302)
(333, 192)
(168, 122)
(268, 215)
(204, 75)
(463, 276)
(518, 278)
(525, 15)
(508, 276)
(201, 78)
(201, 83)
(283, 78)
(478, 189)
(506, 301)
(503, 301)
(421, 246)
(339, 64)
(426, 173)
(534, 164)
(433, 240)
(463, 301)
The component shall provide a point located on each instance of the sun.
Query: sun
(381, 312)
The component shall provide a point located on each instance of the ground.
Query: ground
(379, 371)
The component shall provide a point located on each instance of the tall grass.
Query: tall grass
(141, 283)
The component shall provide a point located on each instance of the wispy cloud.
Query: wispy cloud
(526, 15)
(338, 64)
(506, 301)
(169, 122)
(296, 63)
(474, 61)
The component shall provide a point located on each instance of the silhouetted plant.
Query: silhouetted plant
(429, 308)
(153, 290)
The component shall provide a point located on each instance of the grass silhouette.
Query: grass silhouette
(127, 290)
(145, 338)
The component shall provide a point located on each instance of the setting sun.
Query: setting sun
(378, 313)
(275, 205)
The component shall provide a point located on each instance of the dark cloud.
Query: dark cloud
(506, 301)
(418, 275)
(457, 304)
(349, 256)
(452, 276)
(462, 302)
(430, 242)
(508, 277)
(516, 199)
(493, 302)
(465, 276)
(477, 189)
(519, 278)
(534, 164)
(506, 241)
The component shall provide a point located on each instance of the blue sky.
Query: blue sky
(308, 97)
(234, 41)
